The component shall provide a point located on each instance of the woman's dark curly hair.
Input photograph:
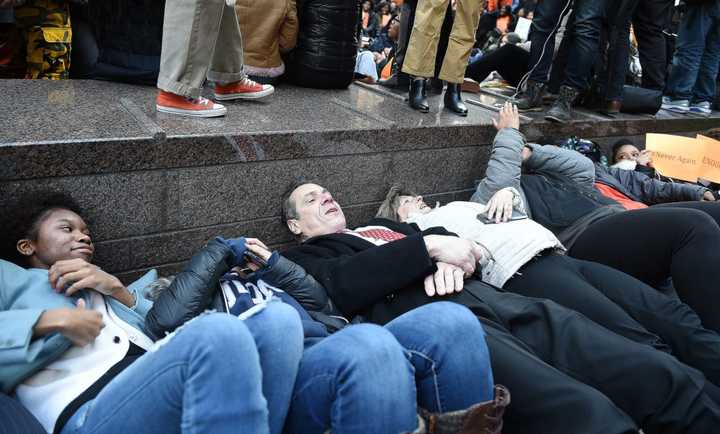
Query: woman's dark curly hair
(22, 219)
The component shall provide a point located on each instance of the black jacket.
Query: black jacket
(327, 44)
(196, 289)
(376, 282)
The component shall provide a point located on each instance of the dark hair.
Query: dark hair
(288, 210)
(22, 219)
(616, 147)
(389, 207)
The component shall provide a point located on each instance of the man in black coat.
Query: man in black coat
(567, 374)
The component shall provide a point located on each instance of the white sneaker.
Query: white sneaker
(676, 105)
(701, 108)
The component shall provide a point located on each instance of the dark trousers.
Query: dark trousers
(624, 305)
(509, 60)
(649, 18)
(656, 243)
(570, 375)
(583, 51)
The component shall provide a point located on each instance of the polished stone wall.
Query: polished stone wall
(156, 187)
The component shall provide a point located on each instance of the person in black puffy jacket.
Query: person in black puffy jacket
(327, 44)
(362, 377)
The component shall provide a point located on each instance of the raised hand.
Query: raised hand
(508, 117)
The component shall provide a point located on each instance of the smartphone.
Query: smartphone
(514, 217)
(255, 259)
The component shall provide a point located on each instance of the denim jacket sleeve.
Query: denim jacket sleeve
(20, 355)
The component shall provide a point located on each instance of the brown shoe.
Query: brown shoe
(470, 85)
(482, 418)
(612, 107)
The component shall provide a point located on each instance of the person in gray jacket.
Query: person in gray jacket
(653, 244)
(523, 257)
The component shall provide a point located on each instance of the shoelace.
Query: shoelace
(198, 101)
(247, 82)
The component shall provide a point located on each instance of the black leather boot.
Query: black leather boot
(561, 110)
(453, 99)
(417, 98)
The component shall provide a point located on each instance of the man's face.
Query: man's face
(365, 6)
(318, 213)
(409, 205)
(61, 235)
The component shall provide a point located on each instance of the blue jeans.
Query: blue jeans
(217, 374)
(697, 54)
(585, 33)
(368, 379)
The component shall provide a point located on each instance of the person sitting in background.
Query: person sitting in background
(505, 22)
(369, 21)
(510, 60)
(269, 29)
(379, 60)
(78, 356)
(384, 14)
(390, 370)
(201, 39)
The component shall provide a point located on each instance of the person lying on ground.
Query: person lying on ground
(381, 367)
(77, 355)
(585, 378)
(632, 174)
(523, 257)
(651, 244)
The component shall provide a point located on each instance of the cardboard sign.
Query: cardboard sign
(685, 158)
(710, 158)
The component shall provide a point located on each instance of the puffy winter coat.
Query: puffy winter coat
(198, 288)
(327, 44)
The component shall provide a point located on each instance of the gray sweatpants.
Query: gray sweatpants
(201, 38)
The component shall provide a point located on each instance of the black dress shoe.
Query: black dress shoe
(453, 100)
(417, 98)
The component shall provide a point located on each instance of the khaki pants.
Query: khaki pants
(201, 38)
(420, 57)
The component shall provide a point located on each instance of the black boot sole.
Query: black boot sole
(556, 119)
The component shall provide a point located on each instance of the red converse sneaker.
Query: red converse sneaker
(167, 102)
(243, 89)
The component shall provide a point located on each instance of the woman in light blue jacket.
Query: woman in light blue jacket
(80, 361)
